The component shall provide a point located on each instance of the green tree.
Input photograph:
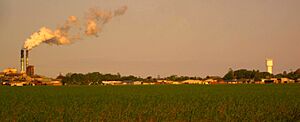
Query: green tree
(229, 75)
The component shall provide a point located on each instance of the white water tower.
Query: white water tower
(269, 64)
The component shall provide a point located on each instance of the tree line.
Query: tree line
(256, 75)
(96, 78)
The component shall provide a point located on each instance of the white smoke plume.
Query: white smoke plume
(64, 35)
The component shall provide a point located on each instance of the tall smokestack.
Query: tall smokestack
(22, 60)
(27, 62)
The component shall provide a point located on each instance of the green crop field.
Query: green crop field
(151, 103)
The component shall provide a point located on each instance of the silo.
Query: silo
(269, 64)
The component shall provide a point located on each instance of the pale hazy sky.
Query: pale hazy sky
(158, 37)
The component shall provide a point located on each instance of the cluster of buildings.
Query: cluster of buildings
(205, 82)
(213, 80)
(26, 75)
(279, 80)
(269, 68)
(11, 77)
(160, 82)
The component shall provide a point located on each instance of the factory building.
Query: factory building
(30, 70)
(26, 75)
(10, 71)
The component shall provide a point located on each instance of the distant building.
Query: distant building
(164, 82)
(10, 71)
(148, 83)
(53, 83)
(210, 81)
(267, 81)
(176, 83)
(277, 81)
(112, 82)
(18, 83)
(194, 82)
(138, 83)
(298, 80)
(30, 70)
(287, 80)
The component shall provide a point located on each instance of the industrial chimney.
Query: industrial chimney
(27, 62)
(22, 61)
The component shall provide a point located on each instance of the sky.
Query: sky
(158, 37)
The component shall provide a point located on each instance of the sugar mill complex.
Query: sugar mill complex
(26, 75)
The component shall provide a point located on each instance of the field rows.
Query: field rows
(151, 103)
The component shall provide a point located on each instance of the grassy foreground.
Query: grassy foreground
(151, 103)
